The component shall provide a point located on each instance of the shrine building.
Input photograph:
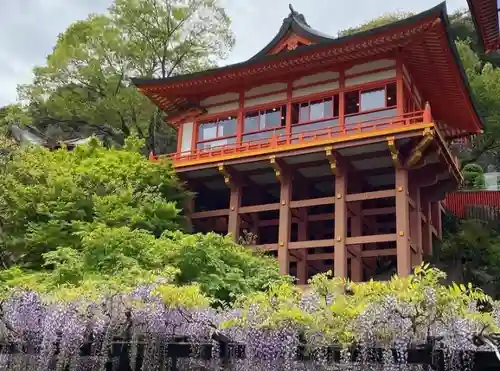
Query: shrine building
(485, 14)
(333, 152)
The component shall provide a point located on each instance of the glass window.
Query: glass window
(227, 127)
(207, 131)
(391, 99)
(304, 112)
(317, 110)
(251, 122)
(266, 119)
(270, 119)
(351, 102)
(372, 99)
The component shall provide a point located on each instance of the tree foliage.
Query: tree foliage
(85, 84)
(473, 176)
(382, 20)
(109, 217)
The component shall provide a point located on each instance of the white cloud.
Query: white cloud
(29, 28)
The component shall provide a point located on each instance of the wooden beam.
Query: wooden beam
(376, 252)
(312, 202)
(259, 208)
(388, 193)
(391, 143)
(376, 238)
(210, 214)
(417, 152)
(379, 211)
(313, 244)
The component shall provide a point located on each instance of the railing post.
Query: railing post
(427, 113)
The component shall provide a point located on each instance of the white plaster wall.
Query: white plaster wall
(318, 77)
(263, 89)
(223, 108)
(263, 100)
(219, 99)
(315, 89)
(363, 79)
(370, 66)
(187, 136)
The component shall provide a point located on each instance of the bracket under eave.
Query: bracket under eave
(391, 143)
(225, 173)
(417, 152)
(332, 159)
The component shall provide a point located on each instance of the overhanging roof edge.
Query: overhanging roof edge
(438, 10)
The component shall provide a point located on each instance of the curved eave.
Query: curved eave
(424, 37)
(293, 25)
(485, 17)
(233, 69)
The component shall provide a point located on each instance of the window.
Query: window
(317, 110)
(216, 133)
(369, 100)
(315, 115)
(371, 104)
(262, 125)
(372, 99)
(265, 120)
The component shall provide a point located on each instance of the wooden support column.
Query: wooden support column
(357, 231)
(302, 265)
(233, 225)
(340, 258)
(426, 229)
(235, 187)
(437, 218)
(402, 222)
(285, 213)
(416, 226)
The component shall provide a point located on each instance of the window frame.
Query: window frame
(281, 107)
(299, 103)
(217, 120)
(382, 86)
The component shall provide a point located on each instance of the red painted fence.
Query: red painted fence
(457, 201)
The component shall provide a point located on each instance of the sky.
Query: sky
(29, 28)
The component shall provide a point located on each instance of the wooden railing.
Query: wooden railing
(308, 138)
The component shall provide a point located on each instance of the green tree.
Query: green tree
(86, 79)
(108, 219)
(473, 176)
(470, 252)
(383, 20)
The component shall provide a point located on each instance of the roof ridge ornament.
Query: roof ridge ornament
(297, 16)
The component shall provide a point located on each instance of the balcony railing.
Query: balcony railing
(308, 138)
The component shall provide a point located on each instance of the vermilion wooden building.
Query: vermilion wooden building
(333, 151)
(485, 14)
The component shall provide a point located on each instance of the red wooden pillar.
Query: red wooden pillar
(233, 225)
(340, 258)
(416, 226)
(436, 217)
(402, 223)
(302, 269)
(285, 222)
(356, 231)
(426, 229)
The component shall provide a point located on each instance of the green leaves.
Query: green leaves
(108, 219)
(84, 86)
